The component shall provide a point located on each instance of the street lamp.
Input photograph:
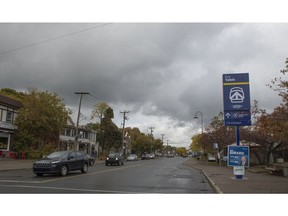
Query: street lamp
(196, 117)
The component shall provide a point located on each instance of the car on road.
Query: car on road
(115, 158)
(61, 162)
(132, 157)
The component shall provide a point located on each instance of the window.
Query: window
(72, 155)
(9, 117)
(68, 132)
(4, 139)
(79, 154)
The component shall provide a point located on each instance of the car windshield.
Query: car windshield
(60, 154)
(112, 155)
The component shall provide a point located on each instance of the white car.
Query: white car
(132, 157)
(211, 158)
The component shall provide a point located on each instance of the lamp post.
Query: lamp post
(196, 117)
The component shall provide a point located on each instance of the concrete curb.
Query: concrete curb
(211, 183)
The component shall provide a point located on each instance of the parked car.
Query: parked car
(115, 158)
(145, 156)
(170, 155)
(61, 162)
(211, 157)
(151, 156)
(91, 159)
(224, 158)
(132, 157)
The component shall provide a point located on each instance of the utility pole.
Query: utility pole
(78, 117)
(162, 141)
(151, 128)
(167, 147)
(123, 134)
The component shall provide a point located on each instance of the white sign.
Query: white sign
(239, 170)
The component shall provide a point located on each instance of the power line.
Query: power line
(54, 38)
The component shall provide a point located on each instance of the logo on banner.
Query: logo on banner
(236, 95)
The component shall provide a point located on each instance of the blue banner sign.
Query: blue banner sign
(238, 156)
(236, 98)
(236, 91)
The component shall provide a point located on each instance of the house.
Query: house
(8, 115)
(86, 141)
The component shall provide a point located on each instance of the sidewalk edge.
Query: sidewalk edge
(210, 181)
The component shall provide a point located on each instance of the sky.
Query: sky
(162, 73)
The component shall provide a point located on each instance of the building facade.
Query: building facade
(8, 115)
(86, 141)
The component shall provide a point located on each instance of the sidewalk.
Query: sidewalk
(255, 181)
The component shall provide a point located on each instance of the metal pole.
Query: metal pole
(202, 128)
(237, 135)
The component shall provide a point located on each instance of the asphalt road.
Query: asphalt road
(159, 176)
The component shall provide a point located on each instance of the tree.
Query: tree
(99, 111)
(40, 120)
(181, 151)
(112, 135)
(12, 93)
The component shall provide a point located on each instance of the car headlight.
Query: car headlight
(107, 158)
(55, 163)
(116, 158)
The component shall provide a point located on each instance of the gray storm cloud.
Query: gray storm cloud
(169, 70)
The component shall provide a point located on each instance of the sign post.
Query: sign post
(236, 97)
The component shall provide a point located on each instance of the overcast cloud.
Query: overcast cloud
(162, 73)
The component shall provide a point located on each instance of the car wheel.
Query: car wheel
(84, 168)
(39, 174)
(63, 170)
(119, 163)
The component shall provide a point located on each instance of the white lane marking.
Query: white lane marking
(15, 181)
(66, 189)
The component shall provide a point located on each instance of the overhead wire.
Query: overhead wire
(54, 38)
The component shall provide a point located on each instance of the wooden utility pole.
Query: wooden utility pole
(151, 128)
(78, 117)
(123, 132)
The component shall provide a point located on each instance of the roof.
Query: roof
(10, 102)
